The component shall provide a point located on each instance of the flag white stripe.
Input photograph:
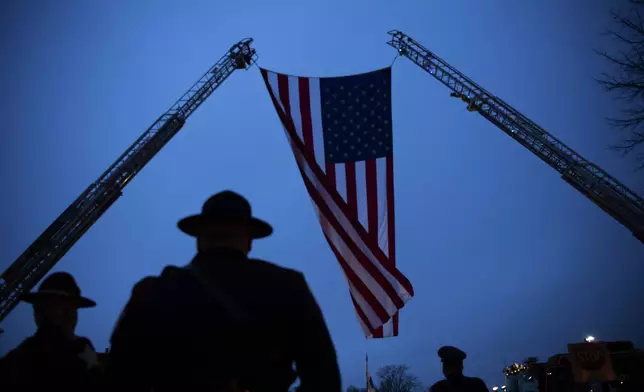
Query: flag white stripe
(341, 180)
(272, 81)
(388, 328)
(316, 122)
(368, 311)
(361, 193)
(353, 263)
(363, 326)
(294, 101)
(348, 228)
(383, 227)
(342, 219)
(373, 286)
(372, 317)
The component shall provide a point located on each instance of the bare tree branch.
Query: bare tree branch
(626, 80)
(397, 378)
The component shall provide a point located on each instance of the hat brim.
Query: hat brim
(192, 226)
(80, 302)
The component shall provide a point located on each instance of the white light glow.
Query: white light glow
(590, 339)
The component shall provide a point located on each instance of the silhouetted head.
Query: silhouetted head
(235, 236)
(452, 359)
(452, 368)
(56, 303)
(56, 314)
(226, 220)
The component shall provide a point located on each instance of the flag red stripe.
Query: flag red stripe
(282, 86)
(350, 274)
(327, 179)
(360, 256)
(345, 206)
(391, 219)
(330, 174)
(298, 145)
(355, 250)
(371, 175)
(352, 194)
(290, 129)
(361, 314)
(396, 324)
(391, 224)
(305, 111)
(361, 287)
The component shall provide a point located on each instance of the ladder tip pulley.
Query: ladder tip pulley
(243, 54)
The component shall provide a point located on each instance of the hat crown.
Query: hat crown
(61, 281)
(227, 204)
(225, 208)
(451, 354)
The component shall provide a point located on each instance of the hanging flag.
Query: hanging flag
(341, 134)
(370, 386)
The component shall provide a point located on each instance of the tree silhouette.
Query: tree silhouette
(626, 79)
(397, 378)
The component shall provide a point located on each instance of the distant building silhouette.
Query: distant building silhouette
(557, 373)
(523, 378)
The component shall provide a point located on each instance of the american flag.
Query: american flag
(341, 134)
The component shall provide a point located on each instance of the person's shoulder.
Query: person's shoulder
(153, 284)
(19, 353)
(148, 301)
(11, 354)
(439, 386)
(277, 270)
(149, 290)
(29, 343)
(143, 289)
(85, 342)
(477, 382)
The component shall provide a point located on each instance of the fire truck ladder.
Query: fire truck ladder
(63, 233)
(608, 193)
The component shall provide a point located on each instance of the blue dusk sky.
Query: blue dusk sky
(507, 260)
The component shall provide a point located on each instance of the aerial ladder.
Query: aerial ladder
(605, 191)
(34, 263)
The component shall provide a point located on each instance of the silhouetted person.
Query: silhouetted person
(53, 359)
(224, 322)
(455, 381)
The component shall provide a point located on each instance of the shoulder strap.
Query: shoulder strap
(232, 308)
